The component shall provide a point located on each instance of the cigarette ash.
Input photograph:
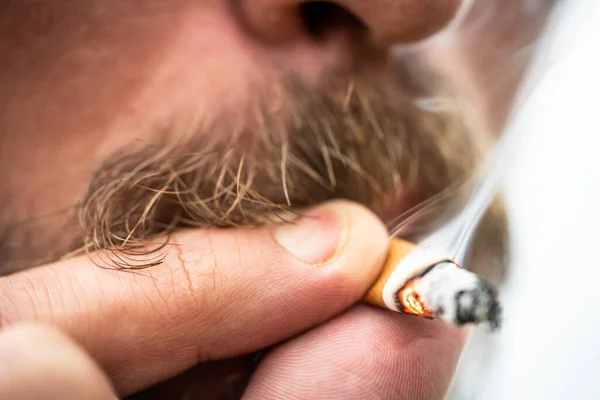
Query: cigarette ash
(459, 297)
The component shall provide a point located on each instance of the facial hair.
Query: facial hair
(388, 142)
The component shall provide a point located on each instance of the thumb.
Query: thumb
(218, 293)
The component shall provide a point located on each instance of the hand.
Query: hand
(37, 362)
(222, 293)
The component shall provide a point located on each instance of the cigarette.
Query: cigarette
(416, 282)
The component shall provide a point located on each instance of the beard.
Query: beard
(393, 142)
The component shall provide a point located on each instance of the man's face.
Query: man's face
(143, 117)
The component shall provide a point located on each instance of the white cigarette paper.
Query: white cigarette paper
(414, 282)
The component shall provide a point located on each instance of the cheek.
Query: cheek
(87, 79)
(65, 77)
(66, 80)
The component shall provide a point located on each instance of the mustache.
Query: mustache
(368, 140)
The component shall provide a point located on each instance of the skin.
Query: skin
(74, 330)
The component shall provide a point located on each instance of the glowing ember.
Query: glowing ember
(411, 301)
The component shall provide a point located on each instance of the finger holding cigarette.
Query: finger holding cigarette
(416, 283)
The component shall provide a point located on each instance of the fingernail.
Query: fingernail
(316, 238)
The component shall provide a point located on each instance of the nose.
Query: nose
(387, 21)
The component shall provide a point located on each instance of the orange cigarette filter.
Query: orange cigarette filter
(407, 297)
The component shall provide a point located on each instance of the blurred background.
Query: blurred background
(548, 347)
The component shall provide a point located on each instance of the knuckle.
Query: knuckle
(18, 299)
(196, 276)
(38, 296)
(6, 307)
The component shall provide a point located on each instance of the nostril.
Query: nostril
(322, 17)
(383, 22)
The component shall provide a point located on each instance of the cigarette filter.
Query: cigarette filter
(417, 282)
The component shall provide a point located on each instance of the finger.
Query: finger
(219, 293)
(37, 362)
(366, 353)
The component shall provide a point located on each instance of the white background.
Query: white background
(549, 347)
